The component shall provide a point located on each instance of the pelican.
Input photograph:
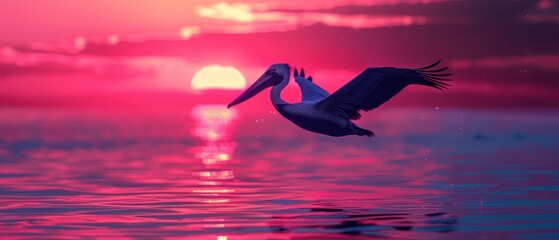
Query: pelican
(331, 115)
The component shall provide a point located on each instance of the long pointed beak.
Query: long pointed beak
(262, 83)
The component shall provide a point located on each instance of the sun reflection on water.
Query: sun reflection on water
(213, 128)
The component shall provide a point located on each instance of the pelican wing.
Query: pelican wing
(309, 90)
(375, 86)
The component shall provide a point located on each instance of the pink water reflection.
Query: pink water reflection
(213, 127)
(129, 176)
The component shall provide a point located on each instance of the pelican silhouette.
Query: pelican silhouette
(331, 115)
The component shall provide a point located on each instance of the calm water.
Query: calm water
(209, 173)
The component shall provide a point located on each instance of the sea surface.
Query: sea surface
(208, 172)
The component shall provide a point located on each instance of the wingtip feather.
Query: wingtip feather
(434, 77)
(430, 66)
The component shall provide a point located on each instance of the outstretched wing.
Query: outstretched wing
(309, 90)
(375, 86)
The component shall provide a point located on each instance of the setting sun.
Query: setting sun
(220, 77)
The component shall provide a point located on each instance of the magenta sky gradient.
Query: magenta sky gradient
(69, 53)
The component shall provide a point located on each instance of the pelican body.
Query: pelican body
(331, 115)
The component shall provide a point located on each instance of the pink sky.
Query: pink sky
(66, 52)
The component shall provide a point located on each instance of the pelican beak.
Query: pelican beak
(265, 81)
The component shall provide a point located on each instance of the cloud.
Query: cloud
(235, 11)
(26, 75)
(245, 13)
(330, 4)
(542, 18)
(15, 61)
(360, 21)
(543, 62)
(289, 15)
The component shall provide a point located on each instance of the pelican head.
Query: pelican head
(273, 76)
